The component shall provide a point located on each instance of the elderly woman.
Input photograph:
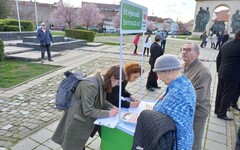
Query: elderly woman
(179, 101)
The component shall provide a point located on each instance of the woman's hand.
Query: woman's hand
(113, 112)
(134, 104)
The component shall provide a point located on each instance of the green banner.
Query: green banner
(134, 17)
(131, 17)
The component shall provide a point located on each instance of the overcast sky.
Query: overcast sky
(176, 9)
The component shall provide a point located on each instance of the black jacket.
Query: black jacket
(113, 97)
(155, 51)
(228, 61)
(154, 131)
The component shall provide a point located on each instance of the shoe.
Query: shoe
(236, 107)
(225, 118)
(50, 60)
(42, 61)
(228, 109)
(150, 89)
(157, 87)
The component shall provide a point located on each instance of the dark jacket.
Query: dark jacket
(113, 97)
(155, 51)
(228, 61)
(44, 37)
(154, 131)
(225, 38)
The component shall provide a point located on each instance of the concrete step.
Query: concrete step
(59, 46)
(93, 44)
(14, 50)
(31, 55)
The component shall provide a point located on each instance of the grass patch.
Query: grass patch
(107, 34)
(109, 43)
(13, 72)
(62, 33)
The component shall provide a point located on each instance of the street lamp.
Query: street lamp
(36, 15)
(19, 24)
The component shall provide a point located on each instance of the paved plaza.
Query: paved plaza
(28, 118)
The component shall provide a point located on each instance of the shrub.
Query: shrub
(80, 34)
(2, 26)
(12, 24)
(1, 51)
(11, 28)
(27, 25)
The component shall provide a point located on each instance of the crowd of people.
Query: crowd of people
(216, 39)
(186, 99)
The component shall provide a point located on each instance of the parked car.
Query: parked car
(110, 30)
(157, 32)
(59, 27)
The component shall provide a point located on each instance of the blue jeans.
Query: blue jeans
(238, 140)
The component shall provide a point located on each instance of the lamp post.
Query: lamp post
(19, 24)
(36, 15)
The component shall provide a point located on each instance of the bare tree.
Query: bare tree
(150, 25)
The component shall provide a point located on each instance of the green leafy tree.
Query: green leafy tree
(4, 8)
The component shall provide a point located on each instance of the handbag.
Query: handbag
(44, 44)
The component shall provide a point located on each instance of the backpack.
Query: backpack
(67, 88)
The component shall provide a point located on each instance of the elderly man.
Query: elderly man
(179, 101)
(228, 67)
(201, 79)
(45, 38)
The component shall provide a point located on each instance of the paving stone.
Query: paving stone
(1, 148)
(7, 127)
(5, 109)
(52, 127)
(214, 136)
(95, 144)
(217, 121)
(49, 143)
(42, 136)
(41, 147)
(26, 144)
(217, 128)
(211, 145)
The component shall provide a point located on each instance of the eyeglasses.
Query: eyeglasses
(186, 50)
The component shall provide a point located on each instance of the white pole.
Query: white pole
(143, 44)
(19, 24)
(36, 15)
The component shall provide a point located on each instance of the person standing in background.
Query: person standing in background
(200, 77)
(155, 51)
(219, 40)
(135, 42)
(147, 45)
(228, 68)
(203, 37)
(225, 37)
(164, 35)
(45, 38)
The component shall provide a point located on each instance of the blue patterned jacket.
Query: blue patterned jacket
(179, 102)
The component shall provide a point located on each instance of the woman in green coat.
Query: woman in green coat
(76, 123)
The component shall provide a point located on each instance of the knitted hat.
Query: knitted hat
(166, 62)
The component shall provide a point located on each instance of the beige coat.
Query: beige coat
(76, 124)
(201, 79)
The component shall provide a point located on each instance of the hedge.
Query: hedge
(1, 50)
(12, 24)
(80, 34)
